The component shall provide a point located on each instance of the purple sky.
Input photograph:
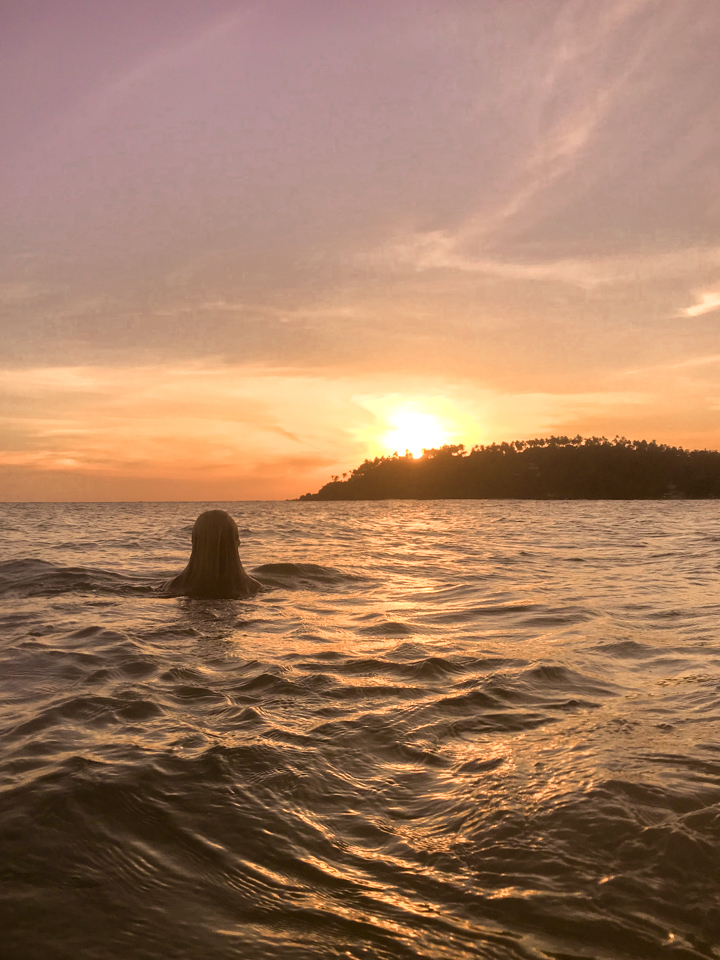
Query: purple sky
(238, 237)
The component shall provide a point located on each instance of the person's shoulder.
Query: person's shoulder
(254, 586)
(172, 588)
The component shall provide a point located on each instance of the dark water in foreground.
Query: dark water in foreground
(447, 730)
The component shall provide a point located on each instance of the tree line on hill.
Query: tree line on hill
(553, 468)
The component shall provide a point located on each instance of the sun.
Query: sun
(402, 422)
(413, 431)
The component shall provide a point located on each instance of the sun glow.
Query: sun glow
(413, 422)
(414, 431)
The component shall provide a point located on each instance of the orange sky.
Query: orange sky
(248, 245)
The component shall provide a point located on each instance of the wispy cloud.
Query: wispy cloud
(568, 109)
(208, 424)
(690, 363)
(19, 292)
(709, 301)
(439, 250)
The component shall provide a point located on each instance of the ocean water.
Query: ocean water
(445, 730)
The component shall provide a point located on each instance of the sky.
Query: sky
(246, 245)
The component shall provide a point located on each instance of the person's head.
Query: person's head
(214, 569)
(215, 527)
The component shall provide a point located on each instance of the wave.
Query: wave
(442, 754)
(304, 576)
(278, 847)
(40, 578)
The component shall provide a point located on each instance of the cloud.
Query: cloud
(708, 301)
(232, 431)
(208, 426)
(439, 250)
(225, 224)
(688, 364)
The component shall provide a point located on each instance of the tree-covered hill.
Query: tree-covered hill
(553, 468)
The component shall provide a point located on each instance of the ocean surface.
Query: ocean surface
(446, 729)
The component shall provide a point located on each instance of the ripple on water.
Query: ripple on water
(487, 742)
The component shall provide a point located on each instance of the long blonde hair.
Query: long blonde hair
(214, 570)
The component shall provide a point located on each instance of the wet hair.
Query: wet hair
(214, 570)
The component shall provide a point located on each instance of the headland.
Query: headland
(552, 468)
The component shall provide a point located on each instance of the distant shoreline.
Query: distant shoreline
(553, 468)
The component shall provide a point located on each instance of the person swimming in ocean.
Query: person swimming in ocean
(214, 570)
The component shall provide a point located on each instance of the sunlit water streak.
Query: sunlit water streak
(446, 729)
